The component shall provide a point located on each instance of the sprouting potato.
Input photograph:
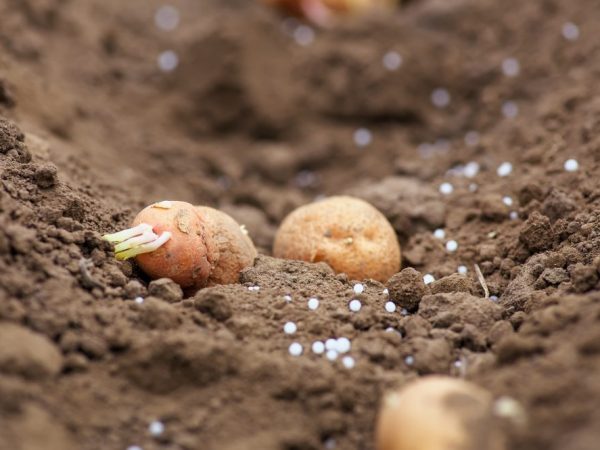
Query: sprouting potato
(323, 12)
(194, 246)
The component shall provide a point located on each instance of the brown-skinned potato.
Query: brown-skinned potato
(347, 233)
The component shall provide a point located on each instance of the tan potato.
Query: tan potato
(235, 249)
(345, 232)
(438, 413)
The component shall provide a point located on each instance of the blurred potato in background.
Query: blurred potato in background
(324, 12)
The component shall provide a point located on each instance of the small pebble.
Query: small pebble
(390, 307)
(342, 345)
(156, 428)
(428, 278)
(439, 234)
(462, 270)
(511, 67)
(504, 169)
(494, 298)
(331, 355)
(571, 165)
(287, 298)
(508, 201)
(359, 288)
(304, 35)
(254, 288)
(362, 137)
(446, 188)
(390, 329)
(451, 246)
(409, 360)
(386, 292)
(295, 349)
(289, 328)
(313, 303)
(392, 60)
(139, 300)
(355, 305)
(570, 31)
(348, 362)
(318, 347)
(168, 61)
(440, 98)
(510, 109)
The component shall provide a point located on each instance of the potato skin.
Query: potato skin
(300, 8)
(235, 249)
(189, 256)
(347, 233)
(438, 413)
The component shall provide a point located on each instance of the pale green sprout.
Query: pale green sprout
(136, 241)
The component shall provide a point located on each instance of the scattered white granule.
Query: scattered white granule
(392, 60)
(348, 362)
(511, 67)
(571, 165)
(440, 98)
(439, 234)
(428, 278)
(313, 303)
(295, 349)
(504, 169)
(451, 246)
(168, 61)
(156, 428)
(355, 305)
(390, 307)
(359, 288)
(318, 347)
(362, 137)
(289, 328)
(446, 188)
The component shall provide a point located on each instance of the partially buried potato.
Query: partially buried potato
(345, 232)
(323, 12)
(235, 249)
(438, 413)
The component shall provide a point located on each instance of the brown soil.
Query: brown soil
(255, 124)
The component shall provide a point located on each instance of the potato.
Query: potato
(235, 249)
(322, 12)
(438, 413)
(195, 246)
(345, 232)
(189, 255)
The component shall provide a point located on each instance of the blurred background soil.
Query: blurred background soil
(260, 115)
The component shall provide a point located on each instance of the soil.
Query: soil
(256, 124)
